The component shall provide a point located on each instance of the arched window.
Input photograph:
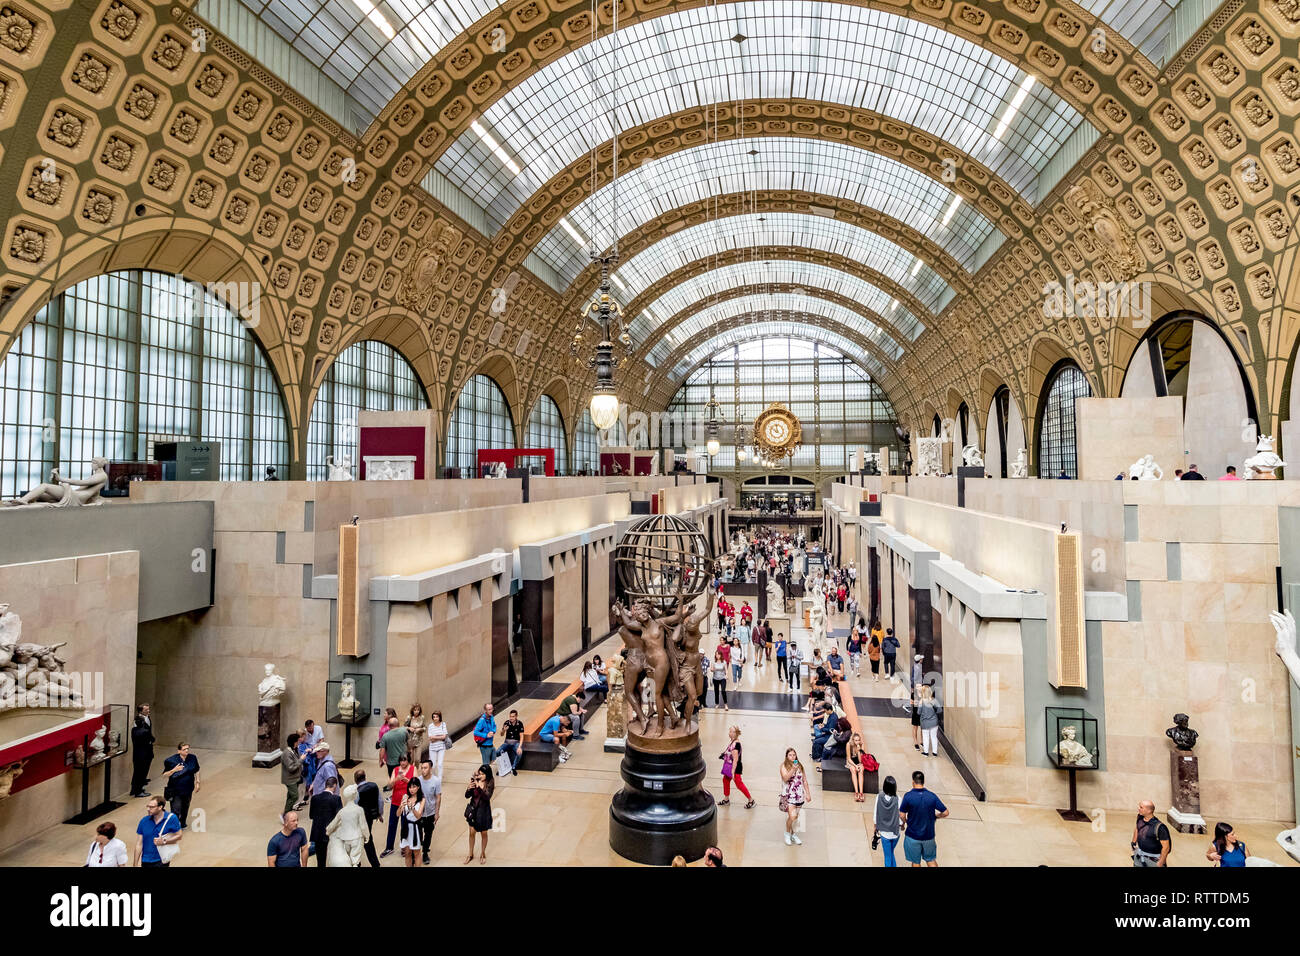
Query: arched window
(936, 427)
(586, 445)
(127, 359)
(995, 430)
(546, 430)
(481, 419)
(367, 376)
(1058, 451)
(963, 424)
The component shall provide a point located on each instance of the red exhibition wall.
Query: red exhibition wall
(392, 440)
(490, 456)
(45, 756)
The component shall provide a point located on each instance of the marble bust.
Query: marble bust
(348, 700)
(1071, 752)
(1184, 737)
(272, 687)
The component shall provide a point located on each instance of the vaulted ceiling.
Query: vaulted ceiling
(902, 177)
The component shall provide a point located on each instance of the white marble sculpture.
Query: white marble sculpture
(1263, 464)
(1020, 467)
(348, 699)
(775, 597)
(817, 624)
(929, 453)
(32, 675)
(499, 470)
(1284, 646)
(272, 688)
(8, 774)
(1071, 752)
(390, 467)
(971, 457)
(341, 471)
(97, 746)
(1146, 469)
(66, 492)
(347, 832)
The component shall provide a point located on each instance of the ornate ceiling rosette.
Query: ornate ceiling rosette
(777, 433)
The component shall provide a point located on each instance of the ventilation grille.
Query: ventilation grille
(1071, 640)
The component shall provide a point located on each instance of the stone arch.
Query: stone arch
(500, 367)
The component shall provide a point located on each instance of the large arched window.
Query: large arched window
(839, 406)
(1186, 355)
(367, 376)
(546, 430)
(586, 445)
(127, 359)
(963, 424)
(1058, 451)
(481, 419)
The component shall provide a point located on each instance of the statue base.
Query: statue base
(615, 745)
(662, 811)
(1186, 822)
(268, 736)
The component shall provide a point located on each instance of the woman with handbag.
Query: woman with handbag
(795, 793)
(853, 760)
(411, 810)
(478, 812)
(887, 820)
(417, 733)
(732, 768)
(439, 741)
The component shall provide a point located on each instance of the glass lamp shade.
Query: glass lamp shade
(604, 410)
(714, 446)
(741, 455)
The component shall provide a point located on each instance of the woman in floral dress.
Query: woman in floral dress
(795, 793)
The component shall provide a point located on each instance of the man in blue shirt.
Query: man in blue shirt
(181, 770)
(288, 847)
(918, 811)
(835, 664)
(780, 657)
(485, 732)
(157, 827)
(326, 769)
(559, 731)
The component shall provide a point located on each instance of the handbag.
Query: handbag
(869, 763)
(783, 804)
(504, 766)
(167, 851)
(727, 762)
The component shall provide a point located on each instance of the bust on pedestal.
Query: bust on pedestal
(270, 690)
(1185, 778)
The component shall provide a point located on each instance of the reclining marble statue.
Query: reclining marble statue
(66, 492)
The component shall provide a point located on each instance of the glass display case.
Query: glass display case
(1072, 742)
(347, 700)
(107, 741)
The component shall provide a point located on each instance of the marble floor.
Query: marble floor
(561, 818)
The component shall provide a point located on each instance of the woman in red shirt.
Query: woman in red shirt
(403, 773)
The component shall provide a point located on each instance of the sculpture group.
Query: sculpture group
(31, 675)
(662, 654)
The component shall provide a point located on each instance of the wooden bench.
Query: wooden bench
(541, 755)
(835, 775)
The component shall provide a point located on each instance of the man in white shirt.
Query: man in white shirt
(432, 788)
(315, 734)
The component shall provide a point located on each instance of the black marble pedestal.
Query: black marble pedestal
(268, 736)
(662, 811)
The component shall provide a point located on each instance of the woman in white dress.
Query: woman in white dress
(107, 849)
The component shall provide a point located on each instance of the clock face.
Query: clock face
(776, 431)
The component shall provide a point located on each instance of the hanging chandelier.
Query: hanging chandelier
(606, 313)
(613, 338)
(713, 445)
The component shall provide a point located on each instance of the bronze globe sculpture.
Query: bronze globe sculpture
(663, 558)
(663, 565)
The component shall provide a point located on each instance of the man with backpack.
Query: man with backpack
(1151, 842)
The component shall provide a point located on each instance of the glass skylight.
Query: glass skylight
(852, 56)
(800, 230)
(808, 165)
(765, 306)
(807, 275)
(1147, 24)
(761, 330)
(371, 49)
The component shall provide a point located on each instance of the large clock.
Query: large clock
(777, 432)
